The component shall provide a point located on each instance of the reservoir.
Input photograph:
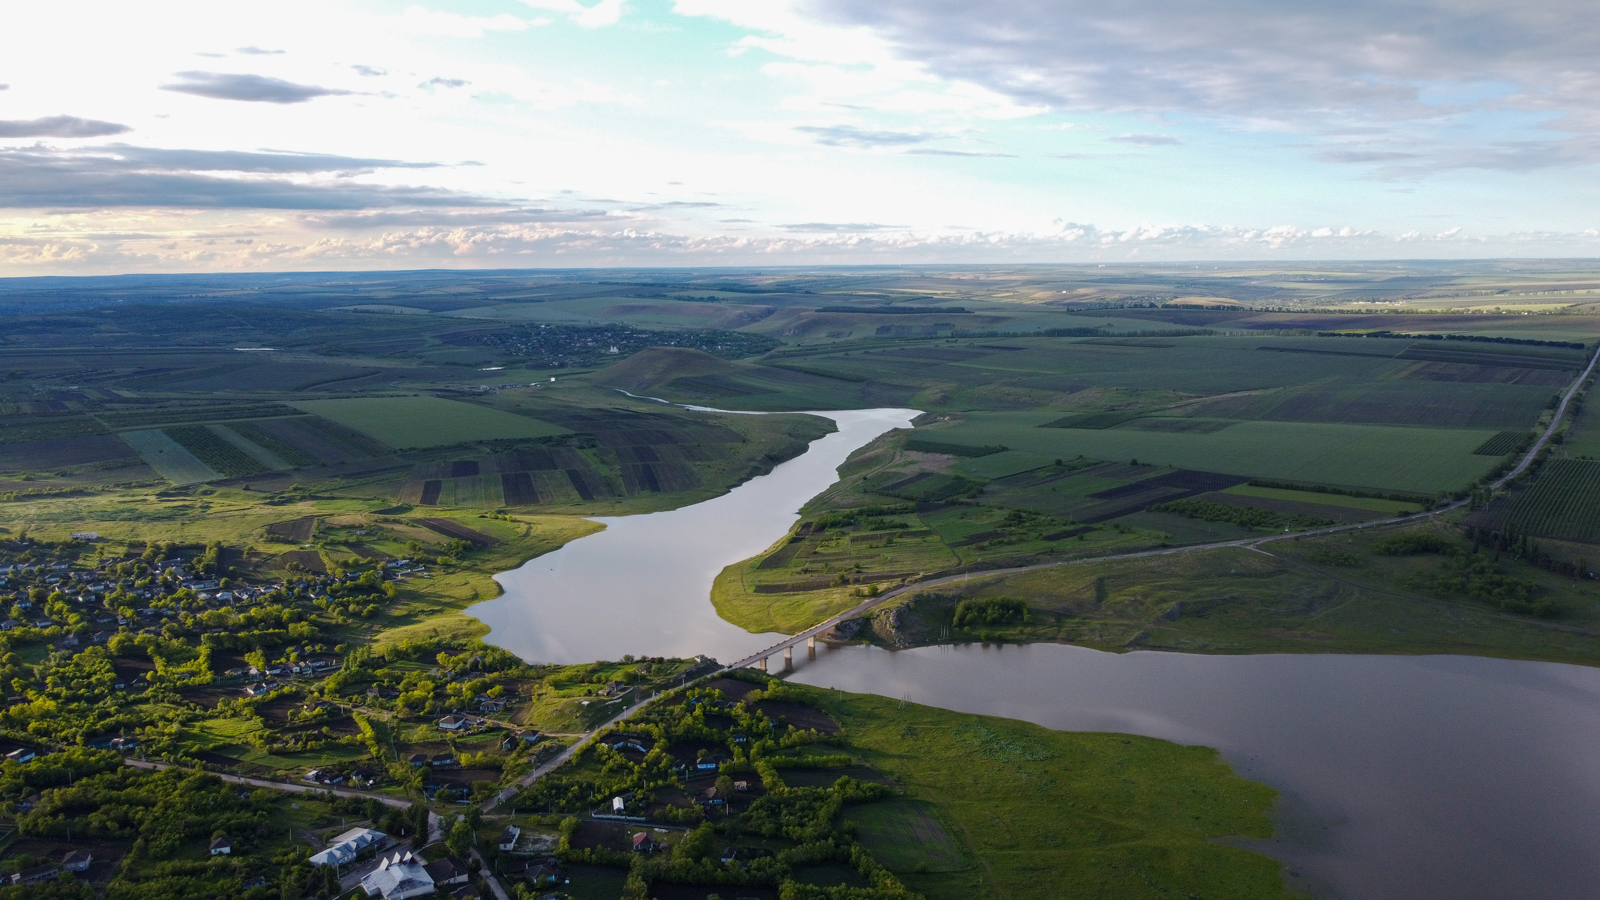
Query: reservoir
(1415, 777)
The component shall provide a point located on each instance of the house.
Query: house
(642, 843)
(77, 861)
(453, 723)
(21, 755)
(708, 797)
(36, 874)
(629, 743)
(541, 872)
(613, 688)
(447, 871)
(443, 760)
(398, 878)
(222, 846)
(508, 839)
(466, 892)
(418, 759)
(347, 846)
(729, 855)
(741, 785)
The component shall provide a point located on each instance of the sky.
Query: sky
(176, 136)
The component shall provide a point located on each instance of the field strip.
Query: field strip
(168, 457)
(250, 448)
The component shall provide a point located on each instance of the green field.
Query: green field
(1563, 503)
(1375, 504)
(411, 422)
(170, 458)
(1316, 595)
(1049, 814)
(1420, 460)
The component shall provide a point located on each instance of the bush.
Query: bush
(1414, 543)
(986, 611)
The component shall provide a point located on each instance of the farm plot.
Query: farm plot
(291, 455)
(450, 528)
(1564, 503)
(295, 530)
(322, 440)
(412, 422)
(1502, 443)
(220, 455)
(34, 456)
(1420, 460)
(169, 457)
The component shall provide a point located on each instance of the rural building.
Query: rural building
(508, 839)
(642, 842)
(77, 861)
(347, 847)
(398, 878)
(222, 846)
(447, 871)
(36, 874)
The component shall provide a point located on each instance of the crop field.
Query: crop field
(412, 422)
(312, 438)
(49, 455)
(1421, 460)
(290, 455)
(1502, 443)
(1563, 503)
(1583, 438)
(169, 458)
(219, 455)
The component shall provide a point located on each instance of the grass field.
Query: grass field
(411, 422)
(1563, 503)
(1050, 814)
(1421, 460)
(1315, 595)
(169, 457)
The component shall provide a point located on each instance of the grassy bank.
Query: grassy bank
(1037, 813)
(1338, 594)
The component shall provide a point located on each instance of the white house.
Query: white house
(347, 846)
(222, 846)
(398, 878)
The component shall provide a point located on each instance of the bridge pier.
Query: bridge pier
(762, 663)
(811, 642)
(788, 657)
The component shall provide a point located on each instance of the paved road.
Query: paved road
(286, 786)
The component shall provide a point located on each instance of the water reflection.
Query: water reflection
(641, 586)
(1404, 777)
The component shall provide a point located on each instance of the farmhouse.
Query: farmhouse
(222, 846)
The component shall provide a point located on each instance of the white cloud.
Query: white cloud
(596, 15)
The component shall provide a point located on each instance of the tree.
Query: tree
(461, 839)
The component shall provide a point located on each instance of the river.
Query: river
(1402, 777)
(641, 587)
